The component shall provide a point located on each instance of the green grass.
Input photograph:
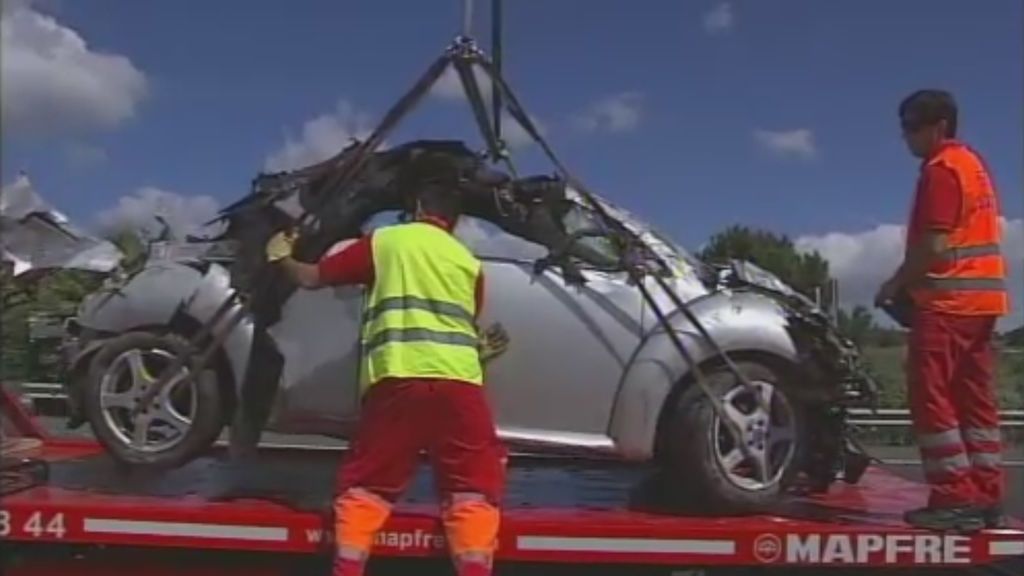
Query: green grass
(887, 363)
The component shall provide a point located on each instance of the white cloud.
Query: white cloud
(861, 261)
(719, 19)
(515, 135)
(613, 114)
(449, 85)
(797, 143)
(53, 83)
(321, 138)
(184, 214)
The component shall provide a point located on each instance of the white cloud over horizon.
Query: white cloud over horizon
(52, 83)
(614, 114)
(796, 143)
(321, 137)
(184, 213)
(862, 260)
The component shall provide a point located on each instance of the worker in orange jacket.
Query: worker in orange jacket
(954, 274)
(421, 375)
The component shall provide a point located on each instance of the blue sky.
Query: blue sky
(696, 115)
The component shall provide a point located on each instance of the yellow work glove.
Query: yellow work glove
(493, 342)
(280, 246)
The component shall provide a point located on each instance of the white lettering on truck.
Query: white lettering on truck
(416, 540)
(877, 549)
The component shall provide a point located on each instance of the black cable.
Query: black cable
(464, 66)
(496, 49)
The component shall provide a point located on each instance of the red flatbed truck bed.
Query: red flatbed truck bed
(268, 514)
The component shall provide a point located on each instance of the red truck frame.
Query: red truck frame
(78, 504)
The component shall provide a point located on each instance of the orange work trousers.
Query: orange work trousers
(452, 422)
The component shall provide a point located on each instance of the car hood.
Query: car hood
(746, 272)
(35, 237)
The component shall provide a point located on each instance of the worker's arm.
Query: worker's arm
(353, 264)
(920, 257)
(493, 340)
(302, 273)
(939, 207)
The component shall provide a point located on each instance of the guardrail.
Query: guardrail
(900, 417)
(42, 398)
(42, 390)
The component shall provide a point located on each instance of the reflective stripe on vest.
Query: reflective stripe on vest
(419, 315)
(969, 277)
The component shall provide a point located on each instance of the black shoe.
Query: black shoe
(951, 519)
(993, 517)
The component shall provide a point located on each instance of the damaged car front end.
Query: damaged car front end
(828, 358)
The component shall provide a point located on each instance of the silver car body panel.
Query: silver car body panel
(570, 346)
(159, 291)
(736, 322)
(318, 335)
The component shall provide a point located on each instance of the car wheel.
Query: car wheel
(708, 470)
(180, 422)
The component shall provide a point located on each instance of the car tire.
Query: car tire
(699, 478)
(199, 391)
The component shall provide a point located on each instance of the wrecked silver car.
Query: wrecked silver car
(590, 371)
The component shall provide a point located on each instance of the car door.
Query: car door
(555, 386)
(318, 335)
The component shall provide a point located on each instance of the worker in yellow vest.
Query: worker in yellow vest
(421, 377)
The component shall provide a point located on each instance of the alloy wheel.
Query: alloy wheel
(166, 421)
(770, 438)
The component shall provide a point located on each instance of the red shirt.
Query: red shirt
(354, 265)
(937, 201)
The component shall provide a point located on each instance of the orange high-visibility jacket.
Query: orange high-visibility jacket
(970, 279)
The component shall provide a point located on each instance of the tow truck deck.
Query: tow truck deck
(555, 512)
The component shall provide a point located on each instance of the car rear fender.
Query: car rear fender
(158, 296)
(741, 322)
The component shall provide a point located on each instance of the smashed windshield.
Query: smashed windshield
(678, 258)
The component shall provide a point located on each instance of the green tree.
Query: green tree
(132, 246)
(857, 325)
(807, 272)
(48, 293)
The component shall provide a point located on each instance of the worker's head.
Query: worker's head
(438, 201)
(927, 117)
(432, 183)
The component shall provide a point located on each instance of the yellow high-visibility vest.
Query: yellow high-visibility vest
(419, 315)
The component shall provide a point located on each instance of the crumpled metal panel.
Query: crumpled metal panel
(34, 236)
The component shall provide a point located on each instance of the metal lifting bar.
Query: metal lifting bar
(496, 50)
(467, 18)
